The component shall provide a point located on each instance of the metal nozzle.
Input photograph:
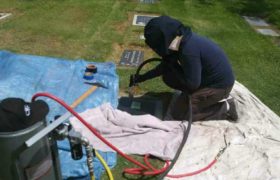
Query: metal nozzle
(133, 90)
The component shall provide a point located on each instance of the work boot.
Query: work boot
(232, 112)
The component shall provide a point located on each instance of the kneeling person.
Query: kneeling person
(194, 65)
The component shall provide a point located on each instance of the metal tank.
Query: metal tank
(17, 162)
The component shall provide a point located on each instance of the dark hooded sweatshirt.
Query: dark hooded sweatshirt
(199, 62)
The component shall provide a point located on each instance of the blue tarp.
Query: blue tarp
(24, 75)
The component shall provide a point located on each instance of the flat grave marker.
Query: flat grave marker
(268, 32)
(261, 26)
(132, 58)
(254, 21)
(4, 15)
(148, 1)
(142, 20)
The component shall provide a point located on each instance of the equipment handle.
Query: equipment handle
(60, 120)
(83, 96)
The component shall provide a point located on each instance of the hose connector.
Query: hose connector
(222, 150)
(89, 150)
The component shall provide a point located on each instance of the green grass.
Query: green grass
(99, 30)
(74, 29)
(267, 9)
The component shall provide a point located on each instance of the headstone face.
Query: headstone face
(141, 106)
(4, 15)
(268, 32)
(142, 20)
(148, 1)
(254, 21)
(132, 58)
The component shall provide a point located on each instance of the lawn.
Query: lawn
(99, 30)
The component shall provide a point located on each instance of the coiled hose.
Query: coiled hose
(147, 169)
(184, 140)
(144, 169)
(185, 130)
(146, 62)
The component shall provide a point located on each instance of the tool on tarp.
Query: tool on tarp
(90, 70)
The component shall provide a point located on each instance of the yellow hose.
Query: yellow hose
(109, 173)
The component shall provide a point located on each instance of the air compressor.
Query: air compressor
(19, 162)
(20, 120)
(28, 143)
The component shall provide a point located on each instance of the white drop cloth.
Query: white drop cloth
(253, 153)
(142, 134)
(254, 150)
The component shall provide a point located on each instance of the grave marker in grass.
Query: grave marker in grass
(131, 58)
(268, 32)
(148, 1)
(142, 20)
(261, 26)
(4, 15)
(254, 21)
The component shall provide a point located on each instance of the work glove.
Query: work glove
(155, 72)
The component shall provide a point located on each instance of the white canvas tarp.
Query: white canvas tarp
(253, 150)
(253, 142)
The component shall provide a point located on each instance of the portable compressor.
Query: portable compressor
(39, 160)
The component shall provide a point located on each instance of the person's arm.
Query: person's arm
(192, 68)
(153, 73)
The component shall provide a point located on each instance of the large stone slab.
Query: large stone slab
(268, 32)
(142, 105)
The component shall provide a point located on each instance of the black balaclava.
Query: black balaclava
(160, 32)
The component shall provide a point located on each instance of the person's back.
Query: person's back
(216, 71)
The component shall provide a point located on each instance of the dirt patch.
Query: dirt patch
(6, 37)
(117, 50)
(131, 39)
(121, 27)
